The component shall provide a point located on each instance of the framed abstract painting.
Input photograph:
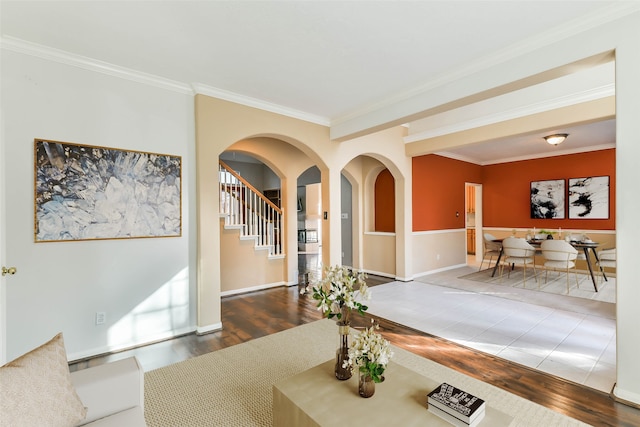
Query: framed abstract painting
(547, 199)
(86, 192)
(589, 197)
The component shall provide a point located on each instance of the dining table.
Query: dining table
(585, 246)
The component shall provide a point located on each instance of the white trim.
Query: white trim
(439, 270)
(123, 347)
(213, 92)
(252, 288)
(564, 230)
(203, 330)
(91, 64)
(379, 273)
(626, 395)
(515, 113)
(378, 233)
(526, 157)
(451, 230)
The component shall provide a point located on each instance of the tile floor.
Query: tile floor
(568, 337)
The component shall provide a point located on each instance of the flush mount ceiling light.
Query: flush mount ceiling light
(556, 139)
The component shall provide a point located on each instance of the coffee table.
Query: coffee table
(316, 398)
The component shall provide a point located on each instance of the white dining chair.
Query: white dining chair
(559, 255)
(577, 238)
(517, 251)
(606, 259)
(491, 249)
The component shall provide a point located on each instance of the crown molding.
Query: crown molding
(90, 64)
(213, 92)
(528, 157)
(514, 51)
(514, 113)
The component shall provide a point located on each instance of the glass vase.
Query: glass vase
(342, 353)
(366, 385)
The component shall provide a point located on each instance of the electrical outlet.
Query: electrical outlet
(438, 257)
(101, 317)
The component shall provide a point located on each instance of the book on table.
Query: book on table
(453, 420)
(450, 401)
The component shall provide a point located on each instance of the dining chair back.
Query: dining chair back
(491, 249)
(577, 238)
(606, 259)
(559, 255)
(517, 251)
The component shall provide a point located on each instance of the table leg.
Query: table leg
(595, 254)
(593, 279)
(497, 263)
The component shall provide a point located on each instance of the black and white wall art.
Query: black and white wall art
(589, 197)
(547, 199)
(86, 192)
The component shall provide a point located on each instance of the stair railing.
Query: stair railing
(246, 208)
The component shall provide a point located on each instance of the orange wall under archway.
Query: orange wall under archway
(385, 200)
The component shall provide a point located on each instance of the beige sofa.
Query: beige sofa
(113, 393)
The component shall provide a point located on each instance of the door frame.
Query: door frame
(477, 205)
(3, 291)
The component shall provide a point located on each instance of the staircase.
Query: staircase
(245, 208)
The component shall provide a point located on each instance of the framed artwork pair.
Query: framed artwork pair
(588, 198)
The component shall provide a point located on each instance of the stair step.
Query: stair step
(233, 227)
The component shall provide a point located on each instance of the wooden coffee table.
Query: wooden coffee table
(316, 398)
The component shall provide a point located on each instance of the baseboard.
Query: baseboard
(203, 330)
(252, 289)
(381, 274)
(439, 270)
(627, 398)
(106, 350)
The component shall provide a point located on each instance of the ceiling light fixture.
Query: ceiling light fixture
(556, 139)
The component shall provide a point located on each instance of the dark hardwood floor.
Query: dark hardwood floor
(256, 314)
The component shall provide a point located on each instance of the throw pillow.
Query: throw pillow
(36, 389)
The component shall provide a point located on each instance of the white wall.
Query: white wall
(146, 287)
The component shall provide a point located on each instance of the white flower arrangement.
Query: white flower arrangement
(370, 352)
(339, 290)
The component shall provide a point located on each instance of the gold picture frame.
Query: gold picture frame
(84, 192)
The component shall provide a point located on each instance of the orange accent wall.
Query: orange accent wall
(439, 191)
(506, 186)
(385, 201)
